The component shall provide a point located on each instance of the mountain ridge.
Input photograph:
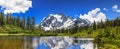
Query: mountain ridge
(60, 21)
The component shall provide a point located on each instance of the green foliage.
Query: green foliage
(94, 25)
(16, 25)
(18, 21)
(2, 19)
(33, 23)
(24, 22)
(109, 46)
(28, 22)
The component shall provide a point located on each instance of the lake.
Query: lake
(45, 42)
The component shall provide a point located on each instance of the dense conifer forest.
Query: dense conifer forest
(15, 25)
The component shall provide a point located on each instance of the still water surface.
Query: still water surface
(49, 42)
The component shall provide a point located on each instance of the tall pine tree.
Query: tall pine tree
(33, 23)
(14, 21)
(24, 22)
(9, 17)
(94, 25)
(28, 22)
(2, 19)
(18, 21)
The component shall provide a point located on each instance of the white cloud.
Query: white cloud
(94, 15)
(105, 9)
(15, 6)
(115, 8)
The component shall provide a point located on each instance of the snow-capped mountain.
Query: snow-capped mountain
(56, 21)
(60, 21)
(82, 22)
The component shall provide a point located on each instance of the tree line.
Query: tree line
(107, 23)
(24, 23)
(94, 26)
(97, 25)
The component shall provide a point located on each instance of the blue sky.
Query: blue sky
(72, 8)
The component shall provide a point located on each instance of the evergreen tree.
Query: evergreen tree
(2, 19)
(21, 24)
(94, 25)
(102, 24)
(7, 18)
(28, 22)
(18, 21)
(62, 30)
(79, 29)
(107, 23)
(14, 21)
(33, 23)
(116, 21)
(24, 22)
(75, 29)
(119, 20)
(9, 21)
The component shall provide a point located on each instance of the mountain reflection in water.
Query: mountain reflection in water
(66, 42)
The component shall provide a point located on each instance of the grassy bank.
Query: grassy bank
(10, 30)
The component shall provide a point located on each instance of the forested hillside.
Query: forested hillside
(15, 25)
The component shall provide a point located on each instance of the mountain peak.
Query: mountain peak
(56, 21)
(61, 21)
